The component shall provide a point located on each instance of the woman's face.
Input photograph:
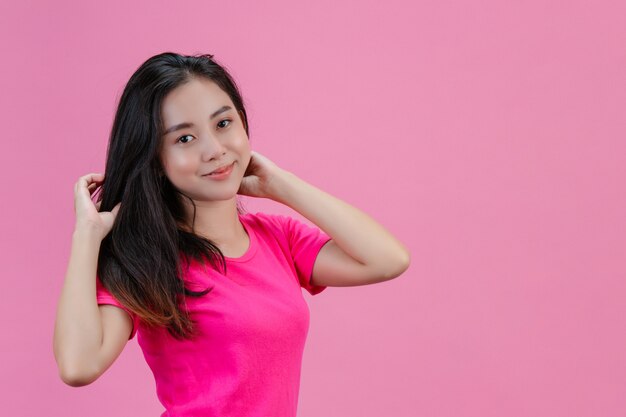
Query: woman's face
(203, 132)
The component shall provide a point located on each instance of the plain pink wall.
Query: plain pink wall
(488, 136)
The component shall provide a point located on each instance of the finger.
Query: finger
(91, 178)
(86, 183)
(94, 189)
(116, 208)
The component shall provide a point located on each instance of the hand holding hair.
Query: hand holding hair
(87, 216)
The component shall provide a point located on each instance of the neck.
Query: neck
(217, 221)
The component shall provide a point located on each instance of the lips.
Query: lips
(221, 169)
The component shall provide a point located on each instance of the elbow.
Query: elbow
(392, 268)
(72, 369)
(76, 376)
(76, 379)
(399, 266)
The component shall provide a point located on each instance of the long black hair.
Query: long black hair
(142, 259)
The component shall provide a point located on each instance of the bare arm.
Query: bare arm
(361, 251)
(87, 337)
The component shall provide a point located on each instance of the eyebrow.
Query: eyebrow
(186, 125)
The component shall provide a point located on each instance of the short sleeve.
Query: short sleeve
(305, 243)
(105, 297)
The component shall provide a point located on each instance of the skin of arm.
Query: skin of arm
(87, 337)
(361, 251)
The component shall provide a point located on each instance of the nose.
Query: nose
(212, 148)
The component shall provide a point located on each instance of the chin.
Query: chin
(208, 197)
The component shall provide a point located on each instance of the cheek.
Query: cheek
(178, 163)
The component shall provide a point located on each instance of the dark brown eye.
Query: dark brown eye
(182, 139)
(222, 121)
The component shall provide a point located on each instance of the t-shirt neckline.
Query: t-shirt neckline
(252, 245)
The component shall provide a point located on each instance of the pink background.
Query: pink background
(488, 136)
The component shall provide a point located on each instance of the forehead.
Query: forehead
(195, 99)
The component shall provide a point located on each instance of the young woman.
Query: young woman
(166, 252)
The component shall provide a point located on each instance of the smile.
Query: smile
(221, 175)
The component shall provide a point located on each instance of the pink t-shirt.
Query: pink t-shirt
(252, 327)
